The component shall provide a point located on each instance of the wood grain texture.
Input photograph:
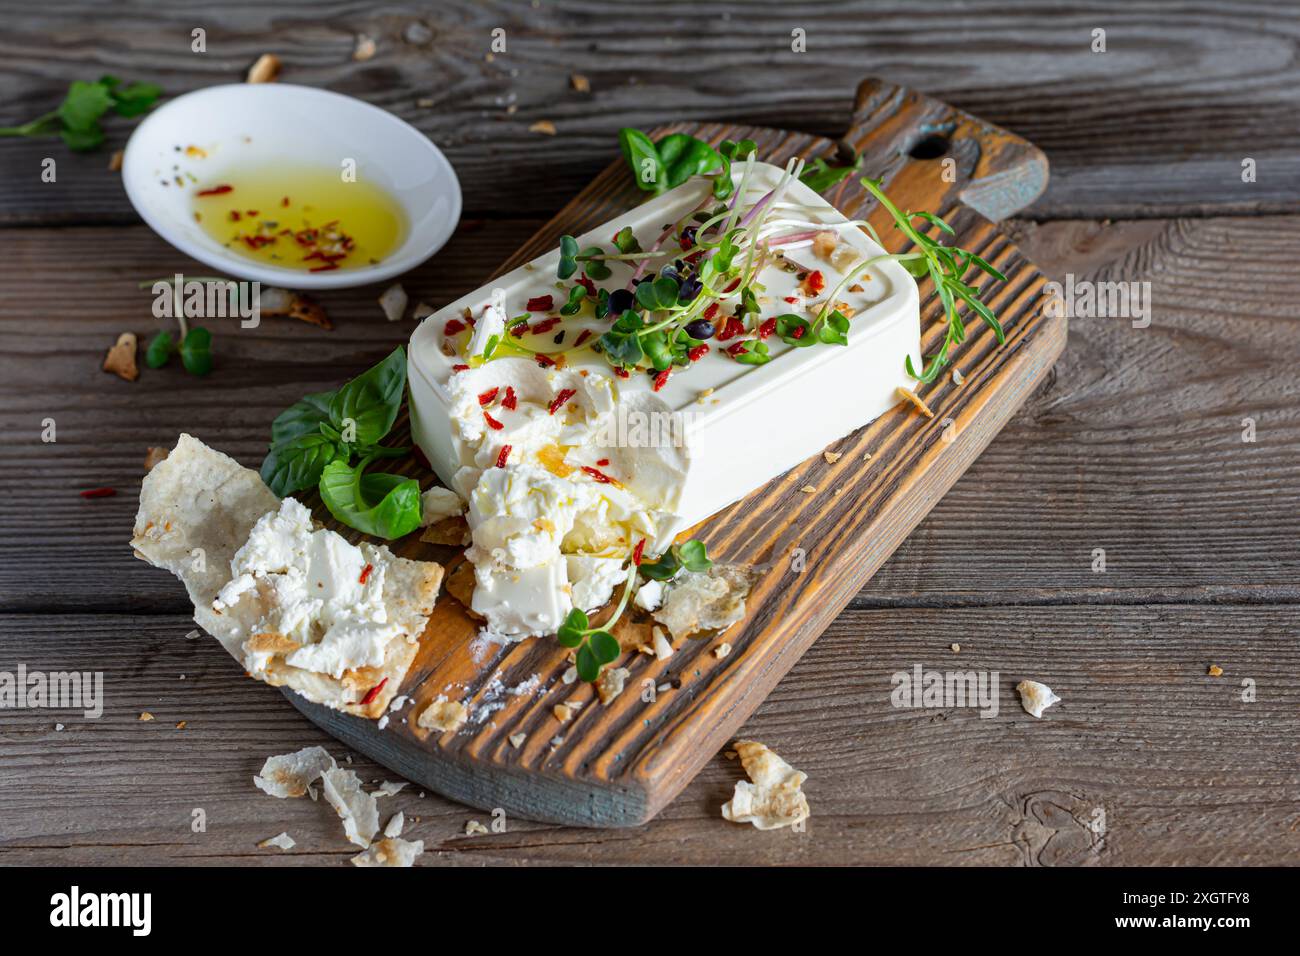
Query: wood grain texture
(619, 763)
(1184, 770)
(1156, 126)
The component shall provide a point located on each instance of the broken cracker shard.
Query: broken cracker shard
(710, 600)
(120, 359)
(292, 775)
(443, 715)
(390, 851)
(1036, 697)
(772, 797)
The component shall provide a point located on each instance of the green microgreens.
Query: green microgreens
(597, 646)
(77, 118)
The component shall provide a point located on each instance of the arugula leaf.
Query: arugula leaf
(386, 506)
(296, 464)
(196, 351)
(642, 155)
(372, 399)
(303, 416)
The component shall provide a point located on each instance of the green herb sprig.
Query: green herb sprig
(314, 442)
(77, 118)
(945, 265)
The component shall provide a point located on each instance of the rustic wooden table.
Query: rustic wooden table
(1134, 446)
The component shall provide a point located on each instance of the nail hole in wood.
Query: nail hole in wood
(930, 146)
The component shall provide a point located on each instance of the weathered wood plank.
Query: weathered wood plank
(1136, 438)
(1185, 772)
(1156, 126)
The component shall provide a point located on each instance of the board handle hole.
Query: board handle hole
(930, 146)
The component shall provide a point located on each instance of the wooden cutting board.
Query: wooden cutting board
(619, 764)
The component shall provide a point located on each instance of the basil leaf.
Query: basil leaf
(303, 416)
(685, 156)
(160, 351)
(386, 506)
(372, 399)
(643, 157)
(296, 464)
(196, 351)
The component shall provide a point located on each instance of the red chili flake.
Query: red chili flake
(694, 257)
(662, 379)
(792, 299)
(234, 215)
(685, 243)
(284, 201)
(251, 213)
(564, 395)
(815, 282)
(544, 326)
(603, 462)
(541, 303)
(622, 373)
(586, 334)
(738, 349)
(99, 493)
(518, 330)
(797, 332)
(504, 456)
(637, 552)
(731, 328)
(545, 361)
(733, 287)
(697, 353)
(453, 327)
(711, 311)
(373, 692)
(217, 190)
(600, 476)
(365, 572)
(510, 400)
(492, 422)
(767, 327)
(459, 368)
(587, 284)
(486, 397)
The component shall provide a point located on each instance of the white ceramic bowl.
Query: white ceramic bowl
(256, 124)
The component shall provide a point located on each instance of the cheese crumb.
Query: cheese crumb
(1215, 670)
(474, 828)
(911, 396)
(517, 740)
(1036, 697)
(610, 683)
(809, 489)
(832, 456)
(281, 841)
(722, 650)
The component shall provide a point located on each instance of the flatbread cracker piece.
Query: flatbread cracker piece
(710, 600)
(390, 851)
(291, 775)
(357, 809)
(773, 799)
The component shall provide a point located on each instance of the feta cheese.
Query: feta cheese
(1036, 697)
(317, 596)
(438, 503)
(649, 596)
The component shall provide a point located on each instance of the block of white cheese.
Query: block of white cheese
(621, 459)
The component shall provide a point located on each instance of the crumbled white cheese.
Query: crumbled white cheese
(438, 503)
(649, 596)
(1036, 697)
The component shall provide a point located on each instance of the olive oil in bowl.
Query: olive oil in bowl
(304, 218)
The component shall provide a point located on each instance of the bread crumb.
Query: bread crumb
(809, 489)
(474, 828)
(517, 740)
(956, 648)
(443, 715)
(145, 715)
(610, 683)
(1215, 670)
(365, 48)
(1036, 697)
(120, 359)
(115, 162)
(580, 83)
(545, 127)
(722, 650)
(265, 70)
(563, 713)
(911, 396)
(957, 376)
